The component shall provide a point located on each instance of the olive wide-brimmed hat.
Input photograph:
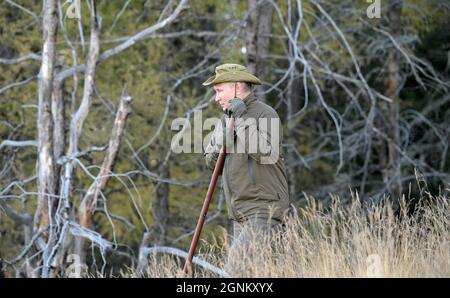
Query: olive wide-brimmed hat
(231, 73)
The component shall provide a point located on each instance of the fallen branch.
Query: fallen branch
(180, 253)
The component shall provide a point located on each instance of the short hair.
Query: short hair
(248, 85)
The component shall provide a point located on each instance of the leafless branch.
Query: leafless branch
(66, 159)
(117, 217)
(21, 59)
(158, 131)
(119, 15)
(18, 84)
(23, 9)
(13, 143)
(89, 201)
(128, 43)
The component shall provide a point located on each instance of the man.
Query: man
(254, 176)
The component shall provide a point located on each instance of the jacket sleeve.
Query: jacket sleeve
(260, 138)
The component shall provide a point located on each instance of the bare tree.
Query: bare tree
(161, 209)
(55, 224)
(365, 120)
(391, 162)
(89, 202)
(45, 122)
(59, 130)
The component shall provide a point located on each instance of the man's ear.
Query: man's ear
(239, 87)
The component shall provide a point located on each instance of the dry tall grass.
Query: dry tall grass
(342, 241)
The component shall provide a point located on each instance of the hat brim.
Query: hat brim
(235, 76)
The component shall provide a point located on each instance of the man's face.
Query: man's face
(224, 93)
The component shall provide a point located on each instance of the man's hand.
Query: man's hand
(236, 108)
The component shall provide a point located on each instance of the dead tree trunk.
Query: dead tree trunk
(293, 106)
(46, 173)
(161, 211)
(89, 202)
(391, 174)
(257, 40)
(295, 93)
(80, 115)
(58, 114)
(89, 79)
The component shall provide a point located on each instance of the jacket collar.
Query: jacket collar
(249, 99)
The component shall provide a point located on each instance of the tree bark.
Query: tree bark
(293, 106)
(161, 213)
(257, 40)
(89, 79)
(46, 169)
(294, 96)
(58, 114)
(391, 173)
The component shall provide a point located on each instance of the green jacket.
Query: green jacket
(254, 184)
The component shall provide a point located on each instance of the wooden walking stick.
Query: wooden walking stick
(201, 220)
